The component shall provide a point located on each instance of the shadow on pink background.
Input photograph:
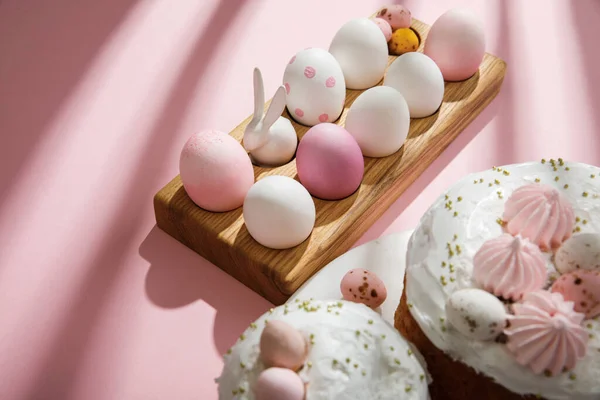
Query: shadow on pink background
(97, 99)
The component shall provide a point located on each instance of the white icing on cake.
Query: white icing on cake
(353, 355)
(440, 261)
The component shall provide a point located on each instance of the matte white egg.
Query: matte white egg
(419, 80)
(315, 86)
(477, 314)
(361, 49)
(456, 42)
(379, 120)
(279, 212)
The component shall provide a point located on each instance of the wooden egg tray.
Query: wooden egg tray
(223, 239)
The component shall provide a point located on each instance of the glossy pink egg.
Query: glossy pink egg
(329, 162)
(456, 42)
(384, 26)
(216, 171)
(362, 286)
(279, 384)
(396, 15)
(281, 345)
(582, 288)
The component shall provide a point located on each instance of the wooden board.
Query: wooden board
(223, 239)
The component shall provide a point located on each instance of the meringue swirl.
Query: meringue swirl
(509, 267)
(545, 333)
(539, 213)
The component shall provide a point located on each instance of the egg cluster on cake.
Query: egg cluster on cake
(322, 350)
(502, 291)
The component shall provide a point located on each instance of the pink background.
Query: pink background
(96, 101)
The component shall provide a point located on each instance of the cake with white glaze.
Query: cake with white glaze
(351, 353)
(502, 291)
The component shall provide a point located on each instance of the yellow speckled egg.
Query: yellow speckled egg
(403, 40)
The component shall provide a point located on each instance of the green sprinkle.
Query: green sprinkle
(370, 322)
(567, 169)
(357, 333)
(566, 186)
(489, 185)
(537, 180)
(421, 377)
(364, 373)
(309, 364)
(242, 390)
(334, 362)
(383, 336)
(443, 264)
(392, 348)
(234, 392)
(242, 365)
(572, 376)
(585, 194)
(496, 181)
(410, 305)
(543, 161)
(505, 172)
(584, 221)
(577, 219)
(443, 280)
(355, 365)
(242, 336)
(347, 361)
(452, 279)
(271, 311)
(459, 198)
(592, 176)
(409, 352)
(480, 180)
(397, 361)
(408, 389)
(556, 179)
(589, 326)
(366, 346)
(561, 162)
(340, 304)
(455, 213)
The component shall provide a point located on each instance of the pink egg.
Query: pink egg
(384, 26)
(456, 42)
(396, 15)
(215, 170)
(362, 286)
(282, 346)
(279, 384)
(329, 162)
(582, 288)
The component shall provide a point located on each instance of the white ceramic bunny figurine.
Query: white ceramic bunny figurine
(271, 140)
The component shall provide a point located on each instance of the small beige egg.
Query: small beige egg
(282, 346)
(579, 252)
(476, 314)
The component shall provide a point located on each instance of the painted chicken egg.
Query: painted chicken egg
(456, 42)
(315, 87)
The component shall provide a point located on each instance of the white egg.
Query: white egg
(361, 49)
(379, 120)
(315, 87)
(279, 212)
(419, 80)
(579, 252)
(475, 313)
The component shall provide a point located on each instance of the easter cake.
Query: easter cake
(322, 350)
(502, 288)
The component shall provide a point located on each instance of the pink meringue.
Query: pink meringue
(541, 214)
(583, 289)
(545, 333)
(279, 384)
(509, 267)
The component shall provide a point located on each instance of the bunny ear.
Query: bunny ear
(276, 108)
(259, 96)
